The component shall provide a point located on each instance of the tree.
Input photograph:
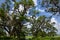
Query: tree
(52, 6)
(42, 27)
(13, 23)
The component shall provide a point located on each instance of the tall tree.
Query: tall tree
(13, 23)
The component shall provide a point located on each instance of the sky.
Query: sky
(1, 1)
(42, 12)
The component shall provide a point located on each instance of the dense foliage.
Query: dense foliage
(12, 24)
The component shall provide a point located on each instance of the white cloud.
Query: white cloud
(10, 12)
(28, 25)
(53, 20)
(36, 18)
(57, 24)
(41, 10)
(21, 8)
(35, 2)
(12, 8)
(12, 2)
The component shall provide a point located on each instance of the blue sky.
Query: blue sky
(42, 12)
(1, 1)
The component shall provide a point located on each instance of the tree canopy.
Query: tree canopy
(13, 23)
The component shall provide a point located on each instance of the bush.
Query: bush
(34, 38)
(46, 38)
(5, 38)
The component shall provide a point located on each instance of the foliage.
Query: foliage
(52, 6)
(13, 23)
(42, 27)
(46, 38)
